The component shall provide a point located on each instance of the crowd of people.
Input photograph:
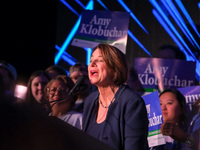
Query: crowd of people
(107, 106)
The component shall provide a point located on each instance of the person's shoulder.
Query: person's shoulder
(71, 115)
(127, 95)
(75, 113)
(126, 90)
(92, 95)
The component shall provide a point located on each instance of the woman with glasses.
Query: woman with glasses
(61, 103)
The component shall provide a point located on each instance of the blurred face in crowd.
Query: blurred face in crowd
(53, 74)
(170, 107)
(76, 74)
(167, 54)
(37, 87)
(4, 72)
(99, 73)
(9, 82)
(57, 91)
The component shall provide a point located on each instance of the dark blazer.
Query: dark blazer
(126, 124)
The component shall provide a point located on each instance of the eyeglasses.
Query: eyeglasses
(60, 90)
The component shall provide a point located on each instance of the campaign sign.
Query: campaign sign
(154, 112)
(191, 94)
(158, 73)
(99, 26)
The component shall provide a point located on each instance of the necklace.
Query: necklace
(109, 104)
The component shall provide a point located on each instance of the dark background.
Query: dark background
(28, 30)
(31, 29)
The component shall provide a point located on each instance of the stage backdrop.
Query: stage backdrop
(152, 23)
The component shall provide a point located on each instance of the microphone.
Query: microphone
(81, 88)
(76, 86)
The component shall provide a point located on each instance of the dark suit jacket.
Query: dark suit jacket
(126, 124)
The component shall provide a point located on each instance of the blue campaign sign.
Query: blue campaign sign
(157, 73)
(153, 110)
(155, 119)
(99, 26)
(191, 94)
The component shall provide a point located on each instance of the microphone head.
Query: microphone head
(81, 88)
(77, 84)
(80, 80)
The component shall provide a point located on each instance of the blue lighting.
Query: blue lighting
(176, 15)
(181, 20)
(129, 32)
(171, 26)
(132, 15)
(102, 4)
(138, 42)
(90, 5)
(66, 4)
(80, 4)
(187, 15)
(67, 57)
(73, 31)
(161, 21)
(89, 53)
(189, 58)
(67, 41)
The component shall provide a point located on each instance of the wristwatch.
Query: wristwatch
(190, 141)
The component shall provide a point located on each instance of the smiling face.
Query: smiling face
(37, 87)
(99, 73)
(170, 107)
(57, 90)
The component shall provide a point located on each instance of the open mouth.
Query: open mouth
(92, 72)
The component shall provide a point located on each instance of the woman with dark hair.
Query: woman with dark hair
(35, 91)
(174, 128)
(178, 117)
(114, 114)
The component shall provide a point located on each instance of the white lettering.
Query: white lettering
(155, 120)
(156, 70)
(100, 21)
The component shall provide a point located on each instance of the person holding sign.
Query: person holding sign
(173, 106)
(171, 52)
(114, 114)
(194, 125)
